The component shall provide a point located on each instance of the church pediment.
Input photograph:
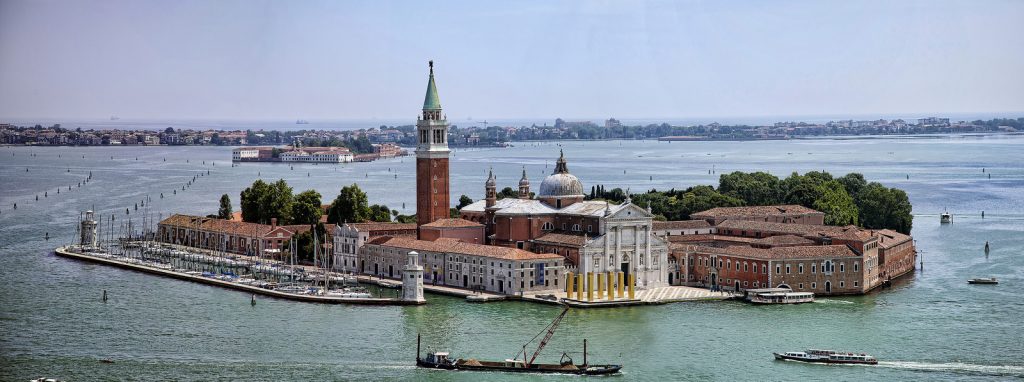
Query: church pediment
(630, 211)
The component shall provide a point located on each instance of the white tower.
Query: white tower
(412, 279)
(88, 230)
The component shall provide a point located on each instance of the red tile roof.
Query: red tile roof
(453, 223)
(454, 246)
(371, 227)
(229, 227)
(562, 238)
(680, 224)
(783, 210)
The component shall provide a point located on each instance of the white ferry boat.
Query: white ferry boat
(827, 356)
(945, 218)
(778, 296)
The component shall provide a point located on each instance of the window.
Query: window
(744, 267)
(576, 227)
(547, 226)
(814, 267)
(590, 228)
(842, 284)
(855, 283)
(842, 267)
(801, 285)
(800, 269)
(778, 269)
(787, 269)
(856, 267)
(764, 269)
(814, 285)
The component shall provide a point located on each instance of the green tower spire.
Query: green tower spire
(431, 102)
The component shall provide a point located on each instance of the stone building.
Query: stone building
(349, 237)
(592, 236)
(451, 262)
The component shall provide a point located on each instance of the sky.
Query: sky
(253, 59)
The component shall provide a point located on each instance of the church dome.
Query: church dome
(561, 183)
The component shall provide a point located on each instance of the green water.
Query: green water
(931, 325)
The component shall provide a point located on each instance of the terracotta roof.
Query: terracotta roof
(453, 223)
(370, 227)
(888, 238)
(680, 224)
(454, 246)
(784, 240)
(757, 211)
(782, 253)
(230, 227)
(709, 238)
(562, 238)
(807, 230)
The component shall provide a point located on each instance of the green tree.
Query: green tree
(837, 205)
(464, 201)
(225, 207)
(351, 205)
(507, 192)
(853, 183)
(380, 213)
(306, 208)
(406, 218)
(277, 203)
(756, 189)
(250, 200)
(882, 207)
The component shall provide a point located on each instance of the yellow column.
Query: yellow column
(600, 286)
(590, 286)
(568, 283)
(579, 287)
(632, 280)
(620, 277)
(611, 287)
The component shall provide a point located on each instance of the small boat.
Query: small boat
(983, 280)
(827, 356)
(945, 218)
(443, 360)
(771, 296)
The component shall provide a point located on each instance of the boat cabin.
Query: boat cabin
(438, 357)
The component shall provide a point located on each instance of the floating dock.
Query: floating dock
(66, 252)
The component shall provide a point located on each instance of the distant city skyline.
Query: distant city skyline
(270, 60)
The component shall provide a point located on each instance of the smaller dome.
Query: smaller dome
(524, 181)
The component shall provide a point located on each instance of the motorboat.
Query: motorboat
(983, 280)
(827, 356)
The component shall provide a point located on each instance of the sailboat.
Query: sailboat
(442, 360)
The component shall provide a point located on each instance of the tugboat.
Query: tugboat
(983, 280)
(827, 356)
(442, 360)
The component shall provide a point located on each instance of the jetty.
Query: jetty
(75, 252)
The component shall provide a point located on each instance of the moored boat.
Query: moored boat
(443, 360)
(983, 280)
(827, 356)
(769, 296)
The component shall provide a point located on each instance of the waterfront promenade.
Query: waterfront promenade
(70, 253)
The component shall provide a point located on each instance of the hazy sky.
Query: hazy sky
(501, 59)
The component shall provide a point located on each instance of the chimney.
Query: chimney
(273, 223)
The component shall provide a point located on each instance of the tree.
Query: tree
(380, 213)
(406, 218)
(262, 202)
(351, 205)
(757, 189)
(882, 207)
(225, 207)
(464, 201)
(837, 205)
(306, 208)
(507, 192)
(853, 183)
(250, 201)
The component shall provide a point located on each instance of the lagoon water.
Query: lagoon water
(930, 325)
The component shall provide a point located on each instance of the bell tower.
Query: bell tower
(432, 159)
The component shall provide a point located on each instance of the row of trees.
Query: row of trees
(849, 199)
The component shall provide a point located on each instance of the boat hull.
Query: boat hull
(535, 368)
(783, 357)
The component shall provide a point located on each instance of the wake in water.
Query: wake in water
(957, 367)
(828, 301)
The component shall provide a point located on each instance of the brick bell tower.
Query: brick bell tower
(432, 159)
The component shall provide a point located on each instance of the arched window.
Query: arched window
(576, 227)
(547, 226)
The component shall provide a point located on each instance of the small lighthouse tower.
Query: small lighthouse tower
(88, 230)
(412, 279)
